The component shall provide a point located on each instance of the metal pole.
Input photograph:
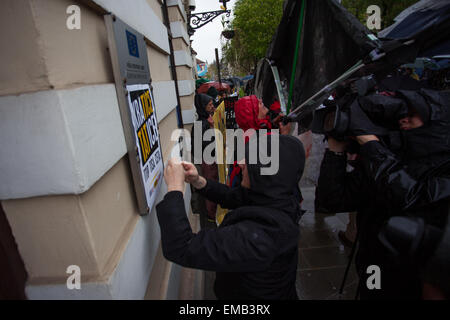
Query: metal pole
(218, 65)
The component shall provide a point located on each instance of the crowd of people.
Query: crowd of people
(398, 193)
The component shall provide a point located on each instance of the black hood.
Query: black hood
(201, 101)
(429, 145)
(277, 190)
(417, 101)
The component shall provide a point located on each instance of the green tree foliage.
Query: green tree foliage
(255, 22)
(389, 9)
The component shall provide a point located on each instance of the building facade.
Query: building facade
(66, 187)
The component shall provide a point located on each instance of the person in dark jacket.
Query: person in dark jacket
(204, 105)
(205, 109)
(255, 250)
(213, 93)
(414, 182)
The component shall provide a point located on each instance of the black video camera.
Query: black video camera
(331, 119)
(333, 116)
(277, 118)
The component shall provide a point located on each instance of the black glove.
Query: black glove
(360, 124)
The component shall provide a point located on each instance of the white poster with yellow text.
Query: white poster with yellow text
(148, 145)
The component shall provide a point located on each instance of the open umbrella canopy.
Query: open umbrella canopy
(247, 77)
(428, 22)
(442, 61)
(221, 87)
(228, 82)
(237, 82)
(423, 63)
(201, 81)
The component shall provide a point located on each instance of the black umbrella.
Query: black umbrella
(428, 22)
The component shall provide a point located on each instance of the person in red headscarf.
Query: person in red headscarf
(251, 113)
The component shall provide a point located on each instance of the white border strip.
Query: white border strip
(182, 58)
(186, 87)
(58, 141)
(172, 3)
(188, 116)
(165, 98)
(141, 17)
(130, 278)
(178, 29)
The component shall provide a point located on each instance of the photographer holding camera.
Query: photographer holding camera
(405, 173)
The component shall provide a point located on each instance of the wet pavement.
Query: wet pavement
(322, 257)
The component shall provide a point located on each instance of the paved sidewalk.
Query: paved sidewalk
(322, 257)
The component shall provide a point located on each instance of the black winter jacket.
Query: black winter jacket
(262, 266)
(201, 101)
(382, 187)
(255, 249)
(414, 182)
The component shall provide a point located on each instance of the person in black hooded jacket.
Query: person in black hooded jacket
(413, 181)
(204, 105)
(255, 250)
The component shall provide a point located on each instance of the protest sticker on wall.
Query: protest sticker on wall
(145, 125)
(128, 51)
(220, 126)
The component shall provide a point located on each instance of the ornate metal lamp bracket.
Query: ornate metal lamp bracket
(198, 20)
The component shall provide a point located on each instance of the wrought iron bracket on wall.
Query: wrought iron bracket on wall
(198, 20)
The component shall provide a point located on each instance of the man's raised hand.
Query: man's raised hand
(190, 172)
(174, 175)
(191, 175)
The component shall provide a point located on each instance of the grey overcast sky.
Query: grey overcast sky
(207, 38)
